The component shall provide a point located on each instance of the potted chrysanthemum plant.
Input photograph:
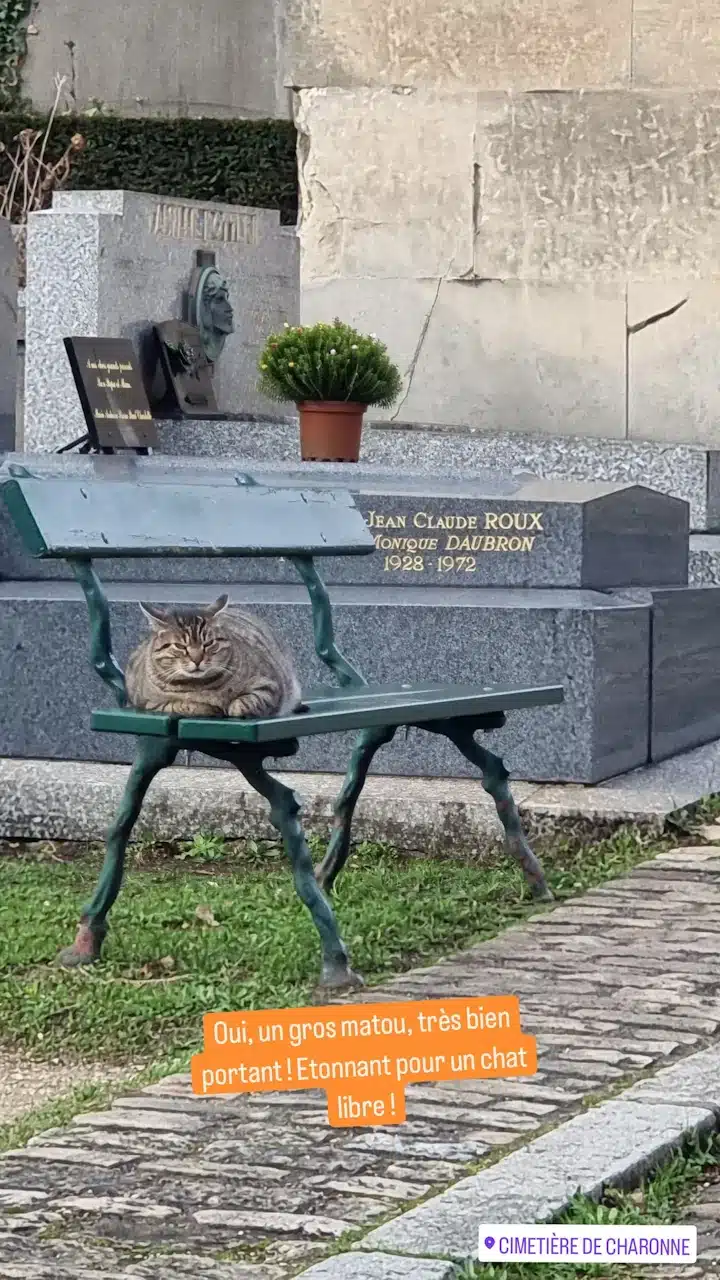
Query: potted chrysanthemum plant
(333, 374)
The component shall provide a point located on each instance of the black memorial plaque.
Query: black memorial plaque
(187, 373)
(112, 394)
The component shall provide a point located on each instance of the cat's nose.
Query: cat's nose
(195, 657)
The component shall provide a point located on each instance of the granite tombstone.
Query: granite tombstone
(112, 263)
(487, 530)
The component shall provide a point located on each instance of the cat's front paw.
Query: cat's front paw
(238, 711)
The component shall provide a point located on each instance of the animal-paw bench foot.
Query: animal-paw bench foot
(495, 781)
(85, 949)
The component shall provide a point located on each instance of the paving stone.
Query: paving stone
(207, 1169)
(173, 1266)
(107, 1204)
(31, 1271)
(706, 1209)
(289, 1222)
(12, 1197)
(71, 1155)
(614, 1049)
(694, 1081)
(525, 1108)
(594, 1073)
(397, 1144)
(151, 1120)
(391, 1188)
(236, 1108)
(433, 1170)
(468, 1115)
(84, 1136)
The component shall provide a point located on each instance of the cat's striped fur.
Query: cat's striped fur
(212, 661)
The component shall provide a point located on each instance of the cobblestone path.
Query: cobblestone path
(163, 1184)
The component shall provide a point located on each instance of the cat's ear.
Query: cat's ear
(155, 616)
(219, 606)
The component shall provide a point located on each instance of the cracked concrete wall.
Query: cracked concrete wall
(215, 58)
(520, 199)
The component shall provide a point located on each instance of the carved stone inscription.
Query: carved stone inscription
(213, 226)
(452, 543)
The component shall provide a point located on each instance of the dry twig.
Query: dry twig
(32, 178)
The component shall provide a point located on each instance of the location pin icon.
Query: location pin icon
(489, 1242)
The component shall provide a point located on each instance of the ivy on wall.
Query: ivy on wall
(13, 18)
(250, 162)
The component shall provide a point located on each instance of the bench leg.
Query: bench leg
(152, 755)
(284, 810)
(367, 745)
(495, 781)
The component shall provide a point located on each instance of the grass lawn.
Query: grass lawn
(216, 928)
(660, 1200)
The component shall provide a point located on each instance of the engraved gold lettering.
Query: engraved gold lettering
(460, 541)
(514, 520)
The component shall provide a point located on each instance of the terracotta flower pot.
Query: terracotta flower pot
(330, 430)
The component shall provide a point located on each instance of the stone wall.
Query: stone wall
(522, 200)
(217, 58)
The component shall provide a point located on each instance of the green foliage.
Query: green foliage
(248, 162)
(204, 847)
(13, 15)
(328, 362)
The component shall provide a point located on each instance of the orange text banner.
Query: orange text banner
(363, 1055)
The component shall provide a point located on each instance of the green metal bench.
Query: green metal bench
(82, 520)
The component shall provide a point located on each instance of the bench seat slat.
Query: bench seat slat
(68, 517)
(338, 710)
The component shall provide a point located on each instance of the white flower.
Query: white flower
(354, 346)
(286, 325)
(374, 337)
(333, 352)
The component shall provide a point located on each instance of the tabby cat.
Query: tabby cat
(211, 662)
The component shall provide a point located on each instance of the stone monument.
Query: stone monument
(113, 263)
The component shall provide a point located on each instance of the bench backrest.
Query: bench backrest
(65, 518)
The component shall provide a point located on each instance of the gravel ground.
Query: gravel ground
(25, 1086)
